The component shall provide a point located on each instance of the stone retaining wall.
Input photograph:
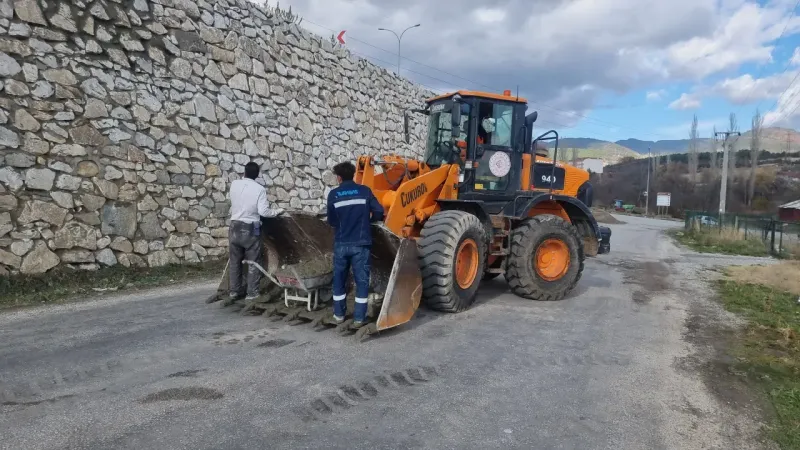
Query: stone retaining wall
(122, 123)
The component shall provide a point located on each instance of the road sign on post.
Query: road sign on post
(663, 200)
(340, 37)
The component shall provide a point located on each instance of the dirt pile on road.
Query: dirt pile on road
(605, 217)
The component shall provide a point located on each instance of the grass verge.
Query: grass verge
(768, 352)
(726, 241)
(64, 284)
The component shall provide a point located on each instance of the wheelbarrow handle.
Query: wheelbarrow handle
(258, 266)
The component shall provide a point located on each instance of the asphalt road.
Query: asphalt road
(614, 366)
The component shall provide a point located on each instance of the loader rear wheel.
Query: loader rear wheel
(452, 252)
(546, 258)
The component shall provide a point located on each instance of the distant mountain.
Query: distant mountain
(609, 152)
(773, 140)
(663, 146)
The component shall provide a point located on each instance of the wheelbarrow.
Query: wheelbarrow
(296, 286)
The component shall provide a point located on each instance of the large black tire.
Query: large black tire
(522, 275)
(441, 237)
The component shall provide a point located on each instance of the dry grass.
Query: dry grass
(793, 251)
(64, 284)
(726, 240)
(784, 276)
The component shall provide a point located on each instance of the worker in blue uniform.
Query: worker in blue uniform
(351, 209)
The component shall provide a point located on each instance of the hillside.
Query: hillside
(777, 182)
(774, 140)
(663, 146)
(609, 152)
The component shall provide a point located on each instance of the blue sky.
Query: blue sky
(608, 69)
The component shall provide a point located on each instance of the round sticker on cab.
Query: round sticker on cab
(500, 164)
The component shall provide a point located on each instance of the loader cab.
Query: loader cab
(486, 135)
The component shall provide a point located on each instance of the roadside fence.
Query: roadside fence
(781, 238)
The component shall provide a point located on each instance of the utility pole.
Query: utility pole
(647, 192)
(723, 187)
(788, 141)
(399, 38)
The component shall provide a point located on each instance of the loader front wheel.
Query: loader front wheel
(452, 252)
(546, 258)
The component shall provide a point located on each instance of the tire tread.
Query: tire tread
(437, 245)
(522, 282)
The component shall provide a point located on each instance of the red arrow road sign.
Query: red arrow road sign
(340, 37)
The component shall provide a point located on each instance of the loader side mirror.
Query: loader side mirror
(527, 132)
(455, 120)
(530, 119)
(405, 128)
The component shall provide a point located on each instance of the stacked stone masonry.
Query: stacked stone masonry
(122, 123)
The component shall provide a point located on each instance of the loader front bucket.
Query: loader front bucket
(296, 240)
(395, 276)
(300, 244)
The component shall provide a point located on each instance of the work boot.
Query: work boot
(251, 297)
(337, 319)
(231, 299)
(359, 323)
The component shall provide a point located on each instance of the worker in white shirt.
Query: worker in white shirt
(248, 205)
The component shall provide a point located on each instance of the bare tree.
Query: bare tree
(713, 155)
(693, 150)
(656, 158)
(733, 128)
(755, 148)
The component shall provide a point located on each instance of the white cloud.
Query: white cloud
(489, 15)
(787, 109)
(744, 36)
(741, 90)
(560, 46)
(654, 96)
(705, 128)
(684, 102)
(795, 61)
(744, 89)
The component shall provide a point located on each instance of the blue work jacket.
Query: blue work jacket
(351, 209)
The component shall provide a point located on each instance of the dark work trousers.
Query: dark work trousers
(244, 245)
(346, 257)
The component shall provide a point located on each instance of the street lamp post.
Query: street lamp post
(399, 38)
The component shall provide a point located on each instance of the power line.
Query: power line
(363, 55)
(790, 14)
(476, 83)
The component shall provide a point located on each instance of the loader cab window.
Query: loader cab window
(439, 147)
(494, 147)
(494, 124)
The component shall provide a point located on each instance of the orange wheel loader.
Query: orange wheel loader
(485, 200)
